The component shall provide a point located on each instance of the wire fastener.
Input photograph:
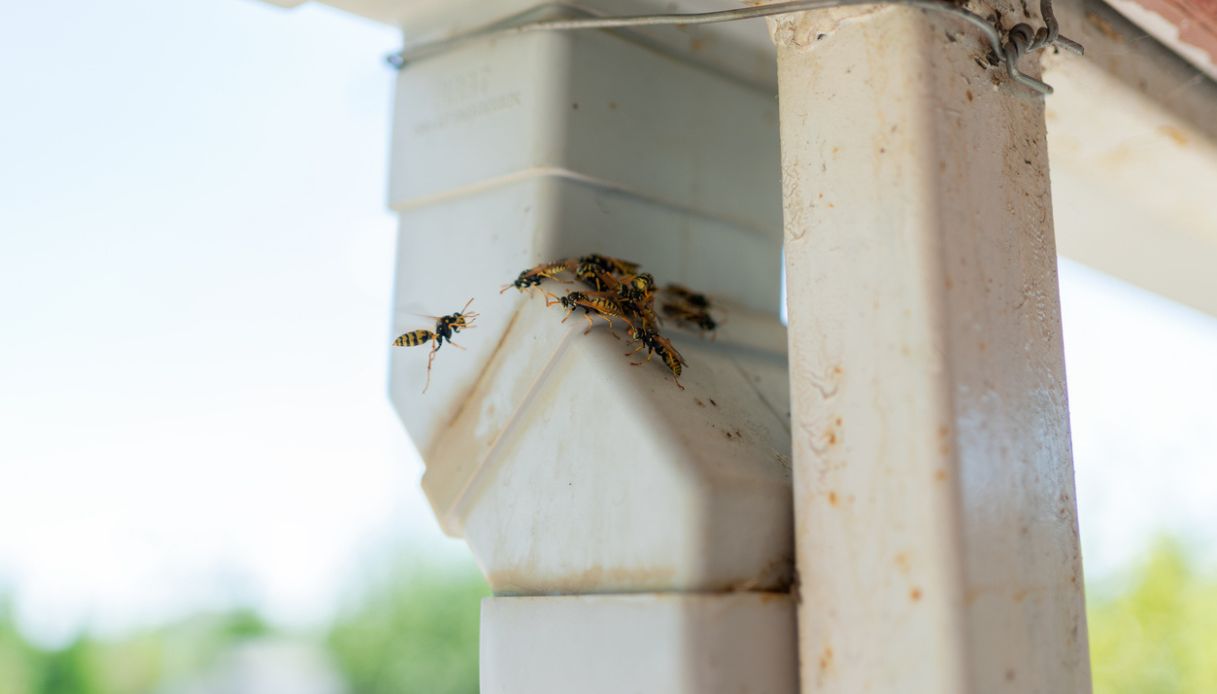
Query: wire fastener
(1019, 41)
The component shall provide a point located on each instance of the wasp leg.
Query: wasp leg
(455, 345)
(640, 363)
(629, 323)
(430, 359)
(677, 382)
(590, 324)
(636, 350)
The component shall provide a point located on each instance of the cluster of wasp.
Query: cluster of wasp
(614, 289)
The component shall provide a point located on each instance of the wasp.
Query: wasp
(614, 266)
(654, 343)
(532, 277)
(606, 307)
(688, 296)
(635, 295)
(445, 328)
(637, 288)
(594, 276)
(688, 314)
(599, 271)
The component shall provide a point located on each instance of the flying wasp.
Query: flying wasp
(532, 277)
(605, 307)
(445, 328)
(654, 343)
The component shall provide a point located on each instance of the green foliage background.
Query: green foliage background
(413, 631)
(1153, 630)
(138, 663)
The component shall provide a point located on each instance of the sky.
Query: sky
(1142, 382)
(195, 272)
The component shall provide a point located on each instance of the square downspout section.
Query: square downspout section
(638, 537)
(936, 523)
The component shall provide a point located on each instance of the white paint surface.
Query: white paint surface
(611, 644)
(538, 147)
(1132, 139)
(568, 470)
(936, 526)
(579, 473)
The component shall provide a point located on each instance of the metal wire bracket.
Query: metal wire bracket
(1020, 40)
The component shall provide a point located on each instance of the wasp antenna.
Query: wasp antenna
(555, 298)
(466, 307)
(507, 286)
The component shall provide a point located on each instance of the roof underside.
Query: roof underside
(1132, 126)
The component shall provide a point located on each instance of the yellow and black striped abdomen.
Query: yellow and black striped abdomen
(671, 361)
(549, 271)
(605, 306)
(414, 338)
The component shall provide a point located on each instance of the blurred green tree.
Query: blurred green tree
(1155, 630)
(138, 663)
(71, 670)
(20, 663)
(414, 630)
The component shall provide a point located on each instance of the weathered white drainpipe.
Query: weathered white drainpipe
(936, 523)
(639, 537)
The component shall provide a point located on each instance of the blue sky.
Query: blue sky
(195, 271)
